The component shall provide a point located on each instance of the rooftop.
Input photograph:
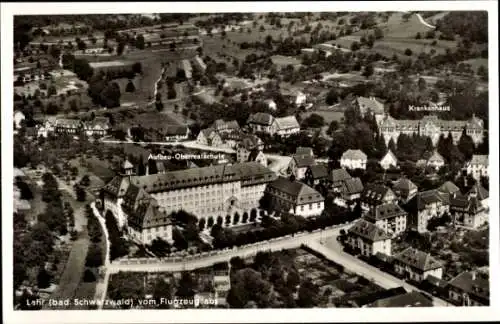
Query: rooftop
(287, 122)
(261, 119)
(386, 211)
(473, 282)
(339, 175)
(404, 184)
(418, 259)
(353, 155)
(300, 192)
(479, 159)
(368, 231)
(319, 171)
(303, 161)
(411, 299)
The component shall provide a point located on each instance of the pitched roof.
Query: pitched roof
(435, 157)
(127, 165)
(475, 122)
(448, 187)
(479, 160)
(250, 142)
(248, 172)
(173, 130)
(300, 193)
(374, 193)
(117, 186)
(467, 203)
(410, 299)
(339, 175)
(478, 191)
(221, 124)
(385, 211)
(473, 282)
(353, 155)
(318, 171)
(368, 231)
(418, 259)
(207, 132)
(372, 104)
(389, 155)
(287, 122)
(261, 119)
(304, 151)
(352, 186)
(303, 161)
(424, 198)
(254, 154)
(404, 184)
(70, 123)
(148, 215)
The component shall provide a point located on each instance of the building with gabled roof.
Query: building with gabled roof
(370, 105)
(436, 161)
(337, 178)
(304, 151)
(196, 190)
(316, 174)
(405, 189)
(258, 156)
(417, 265)
(68, 126)
(468, 211)
(285, 126)
(389, 217)
(223, 126)
(470, 288)
(205, 136)
(448, 188)
(98, 126)
(353, 159)
(349, 192)
(481, 194)
(174, 133)
(424, 206)
(409, 299)
(389, 161)
(368, 239)
(295, 197)
(261, 122)
(299, 164)
(246, 145)
(477, 166)
(376, 194)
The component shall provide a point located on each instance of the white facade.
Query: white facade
(367, 247)
(388, 161)
(18, 118)
(417, 275)
(307, 210)
(353, 163)
(149, 234)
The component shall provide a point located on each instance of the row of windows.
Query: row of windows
(318, 205)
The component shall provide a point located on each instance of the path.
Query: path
(102, 285)
(332, 250)
(423, 22)
(187, 263)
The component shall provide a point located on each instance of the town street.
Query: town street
(332, 250)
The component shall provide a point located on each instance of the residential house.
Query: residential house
(258, 156)
(18, 118)
(389, 217)
(68, 126)
(417, 265)
(246, 145)
(409, 299)
(370, 105)
(353, 159)
(299, 164)
(448, 188)
(261, 122)
(317, 174)
(300, 98)
(435, 161)
(205, 136)
(285, 126)
(99, 126)
(375, 195)
(222, 126)
(295, 197)
(175, 133)
(470, 288)
(478, 191)
(368, 239)
(389, 161)
(350, 192)
(477, 167)
(337, 178)
(467, 211)
(404, 189)
(304, 151)
(424, 206)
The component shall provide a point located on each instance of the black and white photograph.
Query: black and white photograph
(325, 156)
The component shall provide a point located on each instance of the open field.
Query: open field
(281, 60)
(477, 62)
(328, 115)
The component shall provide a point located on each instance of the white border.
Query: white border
(228, 316)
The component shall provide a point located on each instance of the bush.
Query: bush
(89, 276)
(408, 52)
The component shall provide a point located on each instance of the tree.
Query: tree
(85, 180)
(333, 127)
(379, 34)
(130, 86)
(162, 290)
(94, 256)
(331, 97)
(110, 96)
(308, 295)
(313, 121)
(355, 46)
(466, 145)
(43, 278)
(368, 71)
(81, 194)
(139, 42)
(137, 68)
(418, 36)
(187, 286)
(171, 93)
(52, 91)
(408, 52)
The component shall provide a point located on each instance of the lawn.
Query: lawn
(281, 60)
(100, 169)
(477, 62)
(328, 115)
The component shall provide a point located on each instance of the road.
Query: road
(102, 285)
(332, 250)
(287, 242)
(424, 22)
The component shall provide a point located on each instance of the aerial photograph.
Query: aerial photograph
(242, 160)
